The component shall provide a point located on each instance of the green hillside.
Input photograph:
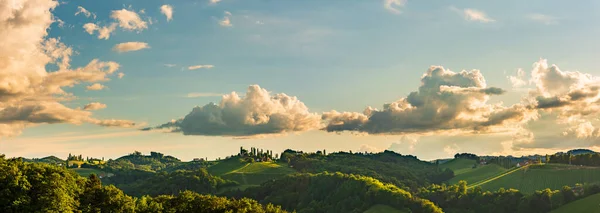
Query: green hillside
(538, 177)
(588, 204)
(336, 192)
(459, 165)
(382, 209)
(463, 170)
(249, 174)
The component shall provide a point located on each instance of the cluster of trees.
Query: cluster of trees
(587, 159)
(199, 181)
(257, 154)
(404, 171)
(38, 187)
(336, 192)
(466, 156)
(137, 161)
(459, 199)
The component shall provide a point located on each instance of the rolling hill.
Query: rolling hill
(463, 170)
(249, 174)
(538, 177)
(588, 204)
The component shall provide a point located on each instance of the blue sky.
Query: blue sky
(331, 55)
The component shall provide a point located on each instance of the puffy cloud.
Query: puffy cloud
(544, 19)
(226, 21)
(583, 130)
(120, 75)
(30, 94)
(195, 67)
(129, 20)
(167, 10)
(474, 15)
(445, 101)
(94, 106)
(519, 80)
(95, 86)
(393, 5)
(256, 113)
(551, 81)
(103, 32)
(130, 46)
(86, 13)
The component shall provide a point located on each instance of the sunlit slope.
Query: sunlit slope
(459, 165)
(588, 204)
(249, 174)
(538, 177)
(463, 170)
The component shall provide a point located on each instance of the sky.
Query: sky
(200, 78)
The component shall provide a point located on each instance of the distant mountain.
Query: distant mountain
(580, 151)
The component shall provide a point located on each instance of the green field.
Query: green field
(588, 204)
(382, 209)
(538, 177)
(249, 174)
(463, 170)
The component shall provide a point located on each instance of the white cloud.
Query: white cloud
(226, 21)
(519, 80)
(94, 106)
(394, 5)
(121, 75)
(103, 32)
(544, 19)
(214, 1)
(446, 101)
(129, 20)
(202, 94)
(195, 67)
(95, 86)
(256, 113)
(170, 65)
(86, 13)
(470, 14)
(130, 46)
(167, 10)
